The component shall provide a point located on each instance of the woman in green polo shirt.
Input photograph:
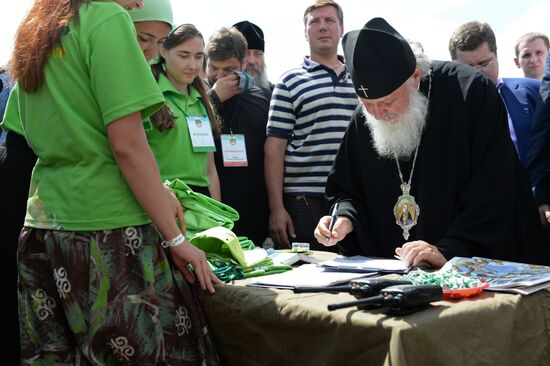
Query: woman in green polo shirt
(95, 284)
(181, 133)
(153, 22)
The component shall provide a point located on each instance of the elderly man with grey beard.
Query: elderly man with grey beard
(254, 62)
(427, 169)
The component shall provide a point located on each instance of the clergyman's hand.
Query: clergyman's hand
(416, 252)
(544, 213)
(342, 227)
(281, 228)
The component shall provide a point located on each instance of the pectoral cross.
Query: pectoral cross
(364, 90)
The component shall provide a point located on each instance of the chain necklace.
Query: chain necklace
(406, 210)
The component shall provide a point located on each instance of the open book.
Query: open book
(520, 278)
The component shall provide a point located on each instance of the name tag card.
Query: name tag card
(201, 134)
(234, 150)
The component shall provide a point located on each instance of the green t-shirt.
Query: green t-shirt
(12, 120)
(172, 148)
(99, 76)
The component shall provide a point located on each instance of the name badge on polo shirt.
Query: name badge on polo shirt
(234, 150)
(201, 133)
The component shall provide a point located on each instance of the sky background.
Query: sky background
(431, 22)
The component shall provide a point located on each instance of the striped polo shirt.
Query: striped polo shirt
(311, 106)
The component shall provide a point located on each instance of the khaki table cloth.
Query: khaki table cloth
(258, 326)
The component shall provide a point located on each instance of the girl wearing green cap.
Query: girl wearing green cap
(95, 283)
(153, 22)
(188, 114)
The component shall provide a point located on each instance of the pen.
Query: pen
(332, 219)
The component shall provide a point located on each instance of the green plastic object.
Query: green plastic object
(201, 212)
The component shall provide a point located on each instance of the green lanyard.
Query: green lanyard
(203, 109)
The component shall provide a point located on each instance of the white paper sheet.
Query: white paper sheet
(307, 275)
(359, 263)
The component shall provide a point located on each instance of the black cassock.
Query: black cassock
(243, 188)
(473, 193)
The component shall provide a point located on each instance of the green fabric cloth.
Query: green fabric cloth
(172, 148)
(99, 290)
(227, 255)
(246, 243)
(202, 212)
(266, 270)
(222, 242)
(225, 269)
(98, 76)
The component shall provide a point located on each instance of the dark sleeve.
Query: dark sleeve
(16, 164)
(253, 111)
(495, 214)
(215, 100)
(539, 143)
(344, 186)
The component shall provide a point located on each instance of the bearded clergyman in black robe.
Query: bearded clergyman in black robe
(427, 169)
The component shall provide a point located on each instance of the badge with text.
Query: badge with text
(234, 150)
(201, 134)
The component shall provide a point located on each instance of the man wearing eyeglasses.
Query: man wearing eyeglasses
(474, 43)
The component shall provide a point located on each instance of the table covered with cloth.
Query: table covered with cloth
(264, 326)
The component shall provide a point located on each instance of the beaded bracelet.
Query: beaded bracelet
(178, 240)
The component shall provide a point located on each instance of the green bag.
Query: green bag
(201, 212)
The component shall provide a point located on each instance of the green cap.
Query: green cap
(153, 10)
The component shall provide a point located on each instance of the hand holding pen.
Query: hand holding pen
(332, 229)
(332, 220)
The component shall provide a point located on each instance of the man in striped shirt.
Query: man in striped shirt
(310, 110)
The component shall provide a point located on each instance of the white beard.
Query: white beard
(402, 137)
(259, 75)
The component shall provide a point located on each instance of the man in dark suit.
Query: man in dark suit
(539, 151)
(474, 43)
(520, 96)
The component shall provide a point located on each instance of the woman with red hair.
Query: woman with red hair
(95, 282)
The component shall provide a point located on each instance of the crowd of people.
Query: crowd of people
(108, 99)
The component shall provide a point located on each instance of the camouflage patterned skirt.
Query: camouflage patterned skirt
(106, 298)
